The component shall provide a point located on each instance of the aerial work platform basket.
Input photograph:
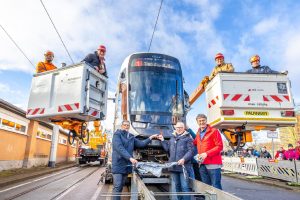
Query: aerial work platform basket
(257, 101)
(76, 92)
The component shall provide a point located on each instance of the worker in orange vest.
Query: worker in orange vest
(47, 65)
(221, 66)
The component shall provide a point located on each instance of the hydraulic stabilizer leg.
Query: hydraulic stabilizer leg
(237, 137)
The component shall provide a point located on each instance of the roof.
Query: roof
(19, 111)
(12, 108)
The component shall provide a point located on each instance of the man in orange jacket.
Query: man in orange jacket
(209, 145)
(47, 65)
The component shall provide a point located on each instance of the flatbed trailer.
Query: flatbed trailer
(150, 188)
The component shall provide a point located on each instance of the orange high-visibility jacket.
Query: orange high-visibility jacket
(44, 66)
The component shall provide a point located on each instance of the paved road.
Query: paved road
(256, 191)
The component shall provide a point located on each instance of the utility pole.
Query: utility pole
(53, 149)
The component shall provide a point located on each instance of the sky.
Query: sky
(191, 30)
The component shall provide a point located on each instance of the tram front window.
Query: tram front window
(152, 91)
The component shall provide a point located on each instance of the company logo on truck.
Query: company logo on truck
(256, 113)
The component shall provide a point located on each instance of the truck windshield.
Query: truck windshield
(155, 90)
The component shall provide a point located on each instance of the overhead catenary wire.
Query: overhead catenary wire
(155, 25)
(16, 45)
(57, 31)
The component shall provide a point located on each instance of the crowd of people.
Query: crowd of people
(281, 154)
(290, 154)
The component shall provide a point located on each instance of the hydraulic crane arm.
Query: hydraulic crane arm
(199, 90)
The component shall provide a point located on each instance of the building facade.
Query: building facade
(26, 143)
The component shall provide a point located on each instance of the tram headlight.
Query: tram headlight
(139, 125)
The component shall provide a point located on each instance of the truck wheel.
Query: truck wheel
(84, 133)
(71, 136)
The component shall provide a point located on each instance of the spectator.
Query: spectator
(47, 65)
(264, 153)
(290, 154)
(245, 154)
(209, 144)
(97, 60)
(297, 149)
(253, 152)
(123, 144)
(221, 66)
(280, 154)
(180, 148)
(257, 68)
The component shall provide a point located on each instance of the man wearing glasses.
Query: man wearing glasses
(123, 144)
(180, 148)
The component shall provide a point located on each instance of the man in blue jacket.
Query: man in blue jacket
(180, 148)
(123, 144)
(257, 68)
(97, 60)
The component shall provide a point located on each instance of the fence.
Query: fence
(282, 169)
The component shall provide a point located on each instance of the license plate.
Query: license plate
(256, 113)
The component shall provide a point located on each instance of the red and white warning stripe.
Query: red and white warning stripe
(68, 107)
(213, 102)
(236, 97)
(277, 98)
(94, 113)
(247, 97)
(35, 111)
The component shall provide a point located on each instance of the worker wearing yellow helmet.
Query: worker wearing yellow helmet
(257, 68)
(47, 65)
(221, 66)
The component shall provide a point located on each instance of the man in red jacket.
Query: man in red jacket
(209, 145)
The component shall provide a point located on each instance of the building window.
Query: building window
(12, 126)
(44, 134)
(62, 140)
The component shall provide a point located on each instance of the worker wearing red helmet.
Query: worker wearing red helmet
(257, 68)
(221, 66)
(97, 60)
(47, 65)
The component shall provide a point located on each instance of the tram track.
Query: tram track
(65, 191)
(82, 167)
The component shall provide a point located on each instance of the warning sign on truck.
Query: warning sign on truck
(256, 113)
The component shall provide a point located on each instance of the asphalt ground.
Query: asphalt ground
(264, 181)
(8, 177)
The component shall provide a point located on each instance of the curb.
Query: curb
(33, 175)
(263, 181)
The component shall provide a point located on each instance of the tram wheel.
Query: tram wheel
(71, 136)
